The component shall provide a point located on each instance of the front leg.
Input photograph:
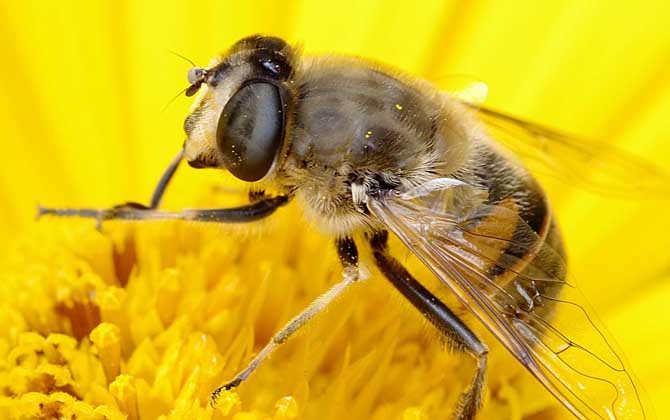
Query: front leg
(131, 211)
(161, 187)
(159, 191)
(346, 250)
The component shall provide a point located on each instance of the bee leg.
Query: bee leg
(457, 335)
(101, 215)
(346, 249)
(165, 180)
(249, 213)
(159, 191)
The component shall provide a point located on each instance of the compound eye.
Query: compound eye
(250, 131)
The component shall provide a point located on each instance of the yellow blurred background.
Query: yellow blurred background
(84, 84)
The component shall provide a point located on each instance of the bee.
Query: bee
(364, 149)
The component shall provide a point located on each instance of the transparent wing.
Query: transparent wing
(591, 165)
(525, 302)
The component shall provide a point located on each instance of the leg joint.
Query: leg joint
(347, 252)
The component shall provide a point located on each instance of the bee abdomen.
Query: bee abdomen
(526, 251)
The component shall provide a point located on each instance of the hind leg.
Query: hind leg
(458, 336)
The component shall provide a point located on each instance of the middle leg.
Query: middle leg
(348, 254)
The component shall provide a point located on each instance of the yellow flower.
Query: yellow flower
(144, 321)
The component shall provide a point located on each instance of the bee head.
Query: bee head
(239, 118)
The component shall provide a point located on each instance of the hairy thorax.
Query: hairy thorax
(356, 125)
